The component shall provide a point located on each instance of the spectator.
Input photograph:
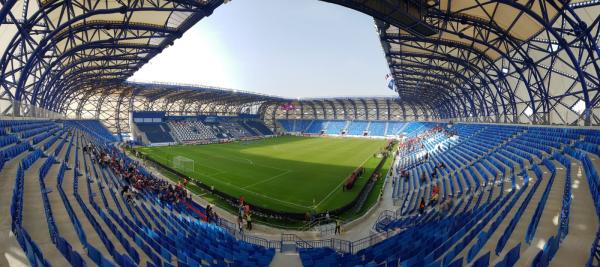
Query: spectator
(246, 209)
(405, 174)
(215, 217)
(208, 212)
(435, 189)
(434, 199)
(249, 221)
(124, 190)
(130, 200)
(240, 224)
(422, 206)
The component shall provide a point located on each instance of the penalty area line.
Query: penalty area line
(268, 179)
(258, 194)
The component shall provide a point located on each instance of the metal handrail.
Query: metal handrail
(258, 241)
(319, 221)
(296, 239)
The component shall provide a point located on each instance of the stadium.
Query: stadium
(486, 154)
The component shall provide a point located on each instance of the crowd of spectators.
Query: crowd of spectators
(416, 144)
(135, 180)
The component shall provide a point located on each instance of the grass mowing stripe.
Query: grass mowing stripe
(284, 173)
(265, 196)
(269, 179)
(230, 159)
(339, 185)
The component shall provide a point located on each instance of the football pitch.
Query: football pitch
(289, 173)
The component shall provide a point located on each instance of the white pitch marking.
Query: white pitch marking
(259, 194)
(338, 186)
(268, 179)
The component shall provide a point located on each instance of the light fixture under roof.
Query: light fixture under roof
(579, 107)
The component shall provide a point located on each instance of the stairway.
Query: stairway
(325, 126)
(345, 129)
(402, 129)
(173, 133)
(286, 259)
(386, 128)
(307, 127)
(574, 249)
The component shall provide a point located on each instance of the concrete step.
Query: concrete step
(286, 260)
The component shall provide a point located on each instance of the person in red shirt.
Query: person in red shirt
(435, 189)
(435, 195)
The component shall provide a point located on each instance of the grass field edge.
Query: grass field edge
(271, 203)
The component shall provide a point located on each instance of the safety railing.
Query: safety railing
(258, 241)
(369, 241)
(339, 245)
(300, 242)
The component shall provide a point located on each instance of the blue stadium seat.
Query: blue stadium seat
(493, 174)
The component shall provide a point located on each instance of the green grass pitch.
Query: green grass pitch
(292, 174)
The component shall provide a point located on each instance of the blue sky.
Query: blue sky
(290, 48)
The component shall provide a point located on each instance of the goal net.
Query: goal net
(183, 164)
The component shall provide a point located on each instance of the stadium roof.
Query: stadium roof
(198, 93)
(54, 49)
(511, 60)
(536, 59)
(359, 108)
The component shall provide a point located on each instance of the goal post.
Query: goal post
(182, 163)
